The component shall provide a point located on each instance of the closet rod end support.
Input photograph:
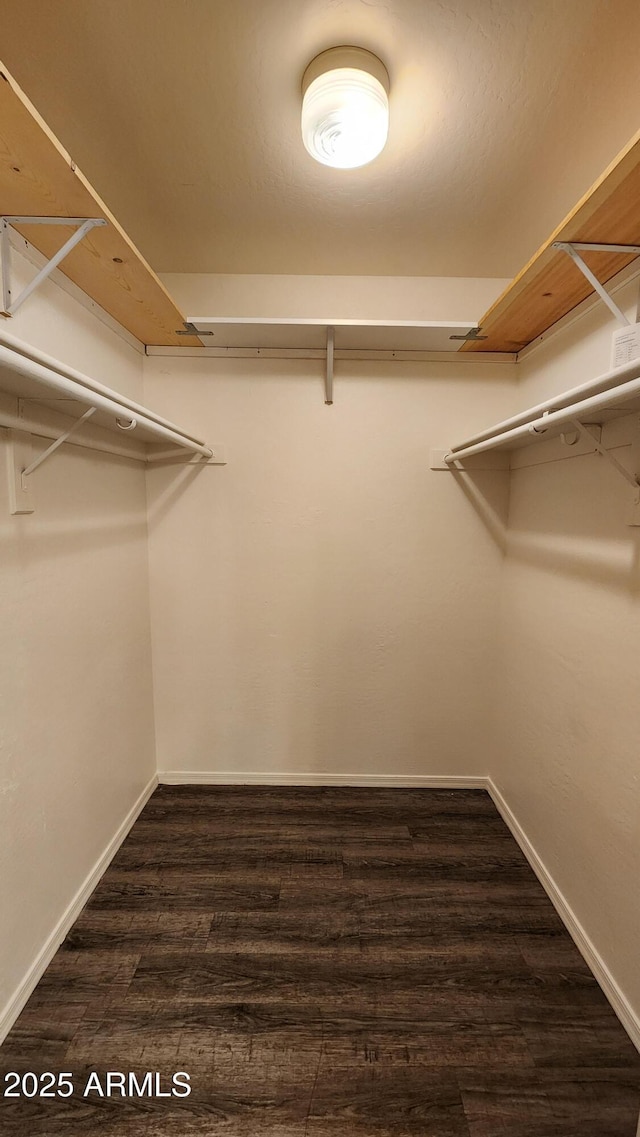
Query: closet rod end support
(441, 460)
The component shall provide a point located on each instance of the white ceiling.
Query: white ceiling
(185, 116)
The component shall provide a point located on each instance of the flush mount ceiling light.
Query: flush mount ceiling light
(345, 107)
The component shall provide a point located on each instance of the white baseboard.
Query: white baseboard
(615, 995)
(35, 972)
(237, 778)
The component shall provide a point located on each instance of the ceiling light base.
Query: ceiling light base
(338, 57)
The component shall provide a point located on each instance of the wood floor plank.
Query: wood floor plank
(324, 962)
(132, 932)
(565, 1103)
(374, 1099)
(157, 890)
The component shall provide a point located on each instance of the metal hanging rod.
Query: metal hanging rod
(83, 225)
(610, 380)
(49, 361)
(70, 388)
(573, 414)
(37, 429)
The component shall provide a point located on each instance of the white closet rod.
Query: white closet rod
(38, 356)
(551, 418)
(557, 402)
(30, 369)
(32, 426)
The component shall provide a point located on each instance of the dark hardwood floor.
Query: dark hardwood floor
(324, 963)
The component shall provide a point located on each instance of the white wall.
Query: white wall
(325, 603)
(568, 697)
(448, 298)
(76, 727)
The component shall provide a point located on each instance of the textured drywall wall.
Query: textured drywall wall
(76, 726)
(324, 603)
(568, 705)
(418, 298)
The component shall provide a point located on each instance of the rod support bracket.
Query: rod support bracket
(54, 445)
(82, 226)
(587, 432)
(18, 454)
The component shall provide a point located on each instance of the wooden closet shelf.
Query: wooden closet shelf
(39, 178)
(550, 285)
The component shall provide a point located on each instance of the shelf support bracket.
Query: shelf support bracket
(593, 439)
(58, 442)
(82, 225)
(573, 249)
(328, 382)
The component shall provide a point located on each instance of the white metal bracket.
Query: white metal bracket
(328, 382)
(190, 329)
(592, 434)
(20, 464)
(82, 225)
(470, 337)
(58, 442)
(18, 452)
(573, 249)
(634, 513)
(587, 433)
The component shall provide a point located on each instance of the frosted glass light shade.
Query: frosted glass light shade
(345, 108)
